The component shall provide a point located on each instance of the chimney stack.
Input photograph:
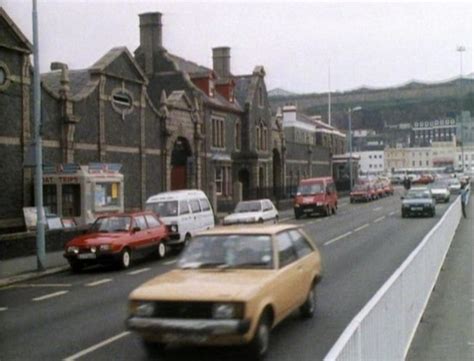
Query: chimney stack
(150, 38)
(221, 61)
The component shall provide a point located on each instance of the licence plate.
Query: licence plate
(192, 338)
(308, 210)
(86, 256)
(417, 209)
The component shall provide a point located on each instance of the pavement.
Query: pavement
(446, 330)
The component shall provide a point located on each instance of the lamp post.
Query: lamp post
(461, 49)
(350, 110)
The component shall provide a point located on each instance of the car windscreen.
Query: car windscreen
(111, 224)
(439, 184)
(360, 188)
(228, 251)
(313, 188)
(164, 208)
(422, 194)
(244, 207)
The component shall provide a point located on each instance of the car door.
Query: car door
(155, 230)
(306, 257)
(207, 215)
(196, 214)
(140, 236)
(288, 291)
(268, 211)
(185, 219)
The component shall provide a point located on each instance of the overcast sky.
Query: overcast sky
(375, 44)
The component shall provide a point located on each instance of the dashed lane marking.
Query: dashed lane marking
(379, 219)
(50, 295)
(97, 346)
(3, 309)
(99, 282)
(285, 219)
(138, 271)
(170, 262)
(392, 213)
(361, 227)
(376, 209)
(41, 285)
(337, 238)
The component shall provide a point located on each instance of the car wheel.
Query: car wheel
(161, 249)
(125, 259)
(258, 347)
(297, 215)
(327, 211)
(352, 201)
(260, 220)
(433, 212)
(334, 210)
(308, 308)
(187, 239)
(276, 219)
(154, 349)
(76, 266)
(404, 215)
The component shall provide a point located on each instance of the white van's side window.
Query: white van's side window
(195, 207)
(183, 207)
(204, 205)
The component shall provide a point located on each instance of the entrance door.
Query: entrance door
(179, 164)
(71, 200)
(244, 179)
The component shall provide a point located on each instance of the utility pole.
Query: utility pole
(329, 94)
(40, 225)
(350, 110)
(461, 49)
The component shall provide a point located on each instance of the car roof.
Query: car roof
(178, 194)
(126, 214)
(250, 229)
(319, 179)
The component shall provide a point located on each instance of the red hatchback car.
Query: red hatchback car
(115, 238)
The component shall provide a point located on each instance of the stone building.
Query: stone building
(16, 127)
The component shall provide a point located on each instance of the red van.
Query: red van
(315, 195)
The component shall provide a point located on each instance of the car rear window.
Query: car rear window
(301, 244)
(152, 221)
(286, 251)
(140, 222)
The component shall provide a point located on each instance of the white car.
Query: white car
(185, 212)
(257, 211)
(440, 190)
(454, 186)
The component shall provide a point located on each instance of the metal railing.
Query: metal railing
(385, 327)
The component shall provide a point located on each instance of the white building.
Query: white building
(371, 162)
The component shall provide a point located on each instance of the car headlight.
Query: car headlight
(297, 205)
(227, 310)
(142, 309)
(105, 247)
(93, 249)
(319, 203)
(174, 228)
(73, 249)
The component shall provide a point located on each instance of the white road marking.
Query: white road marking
(3, 309)
(337, 238)
(139, 271)
(97, 346)
(39, 285)
(392, 213)
(379, 219)
(361, 227)
(377, 209)
(170, 262)
(285, 219)
(50, 295)
(99, 282)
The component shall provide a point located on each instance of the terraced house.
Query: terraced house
(169, 122)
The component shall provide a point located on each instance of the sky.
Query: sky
(307, 46)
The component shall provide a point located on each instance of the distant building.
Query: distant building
(371, 162)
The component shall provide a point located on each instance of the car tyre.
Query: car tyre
(125, 259)
(404, 214)
(161, 250)
(261, 221)
(334, 210)
(258, 347)
(277, 219)
(433, 212)
(308, 308)
(76, 266)
(297, 215)
(154, 349)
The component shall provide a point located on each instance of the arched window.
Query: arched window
(237, 135)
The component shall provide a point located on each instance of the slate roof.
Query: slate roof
(188, 66)
(242, 85)
(78, 80)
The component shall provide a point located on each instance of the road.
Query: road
(81, 316)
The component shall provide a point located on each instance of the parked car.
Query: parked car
(454, 185)
(379, 190)
(231, 287)
(418, 201)
(387, 186)
(315, 195)
(440, 190)
(185, 212)
(362, 193)
(257, 211)
(116, 239)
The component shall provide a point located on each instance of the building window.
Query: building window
(4, 73)
(260, 96)
(50, 199)
(237, 135)
(106, 194)
(122, 101)
(264, 138)
(218, 133)
(223, 180)
(219, 181)
(427, 163)
(257, 139)
(212, 89)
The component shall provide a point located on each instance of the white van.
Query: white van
(185, 212)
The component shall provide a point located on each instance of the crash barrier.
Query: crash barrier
(385, 327)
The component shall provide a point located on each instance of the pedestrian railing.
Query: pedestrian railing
(385, 327)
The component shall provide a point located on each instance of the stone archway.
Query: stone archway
(181, 164)
(244, 179)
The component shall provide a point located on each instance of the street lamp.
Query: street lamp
(350, 111)
(461, 49)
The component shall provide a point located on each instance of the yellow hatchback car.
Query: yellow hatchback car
(231, 287)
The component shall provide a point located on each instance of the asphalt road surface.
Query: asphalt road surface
(81, 316)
